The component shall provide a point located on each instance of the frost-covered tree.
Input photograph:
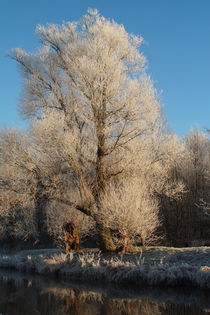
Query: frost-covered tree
(198, 178)
(129, 210)
(198, 146)
(87, 90)
(185, 220)
(17, 182)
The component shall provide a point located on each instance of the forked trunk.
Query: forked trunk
(71, 237)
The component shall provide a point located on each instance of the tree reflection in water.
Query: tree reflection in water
(21, 295)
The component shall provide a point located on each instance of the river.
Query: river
(22, 294)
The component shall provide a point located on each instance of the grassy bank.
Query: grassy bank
(160, 266)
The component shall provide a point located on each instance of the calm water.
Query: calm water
(24, 294)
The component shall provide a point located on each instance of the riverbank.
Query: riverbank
(161, 266)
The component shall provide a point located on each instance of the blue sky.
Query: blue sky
(177, 46)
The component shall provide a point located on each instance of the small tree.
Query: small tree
(128, 209)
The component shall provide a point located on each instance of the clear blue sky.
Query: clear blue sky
(177, 45)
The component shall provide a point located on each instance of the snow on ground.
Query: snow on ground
(161, 266)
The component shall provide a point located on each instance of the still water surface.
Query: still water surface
(25, 294)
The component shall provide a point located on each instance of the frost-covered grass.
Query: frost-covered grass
(155, 266)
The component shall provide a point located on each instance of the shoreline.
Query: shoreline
(178, 296)
(155, 266)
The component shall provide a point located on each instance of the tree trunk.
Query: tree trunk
(41, 201)
(40, 219)
(125, 246)
(105, 239)
(105, 236)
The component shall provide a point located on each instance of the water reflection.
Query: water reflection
(24, 294)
